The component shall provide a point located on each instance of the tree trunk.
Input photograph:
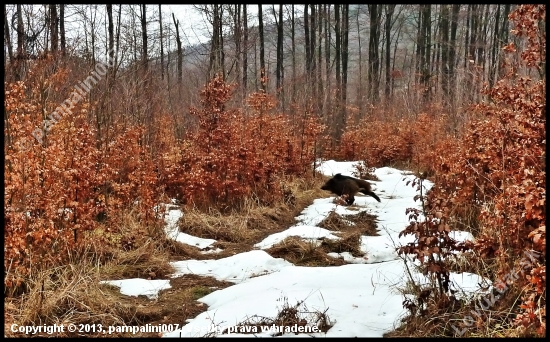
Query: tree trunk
(7, 37)
(263, 79)
(214, 43)
(427, 44)
(62, 29)
(319, 58)
(110, 31)
(238, 36)
(161, 45)
(345, 55)
(338, 50)
(279, 69)
(245, 55)
(144, 56)
(389, 13)
(307, 44)
(444, 34)
(119, 23)
(494, 48)
(313, 61)
(328, 75)
(180, 52)
(340, 120)
(221, 50)
(452, 53)
(360, 92)
(54, 35)
(374, 62)
(293, 42)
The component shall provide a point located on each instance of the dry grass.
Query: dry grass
(315, 253)
(362, 223)
(348, 242)
(449, 317)
(238, 230)
(289, 316)
(72, 293)
(303, 253)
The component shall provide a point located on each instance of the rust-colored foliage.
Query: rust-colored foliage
(48, 187)
(75, 180)
(380, 143)
(63, 185)
(496, 173)
(232, 155)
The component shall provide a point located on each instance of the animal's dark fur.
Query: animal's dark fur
(346, 185)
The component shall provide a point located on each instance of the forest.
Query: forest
(111, 110)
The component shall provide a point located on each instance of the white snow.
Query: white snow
(172, 215)
(236, 268)
(137, 286)
(311, 233)
(362, 298)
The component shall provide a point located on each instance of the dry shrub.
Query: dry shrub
(493, 181)
(82, 174)
(297, 315)
(395, 142)
(233, 155)
(62, 185)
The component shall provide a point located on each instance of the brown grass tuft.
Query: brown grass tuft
(363, 223)
(349, 242)
(303, 253)
(290, 316)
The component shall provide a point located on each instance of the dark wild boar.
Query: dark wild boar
(346, 185)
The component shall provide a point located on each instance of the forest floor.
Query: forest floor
(337, 259)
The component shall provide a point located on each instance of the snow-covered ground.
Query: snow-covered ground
(362, 299)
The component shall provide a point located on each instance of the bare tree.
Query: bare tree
(217, 63)
(279, 71)
(338, 50)
(161, 44)
(307, 43)
(374, 60)
(245, 55)
(312, 42)
(327, 54)
(237, 36)
(318, 75)
(7, 37)
(54, 34)
(340, 120)
(62, 29)
(345, 55)
(20, 34)
(263, 80)
(388, 26)
(180, 52)
(423, 49)
(444, 39)
(293, 42)
(144, 56)
(452, 52)
(360, 92)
